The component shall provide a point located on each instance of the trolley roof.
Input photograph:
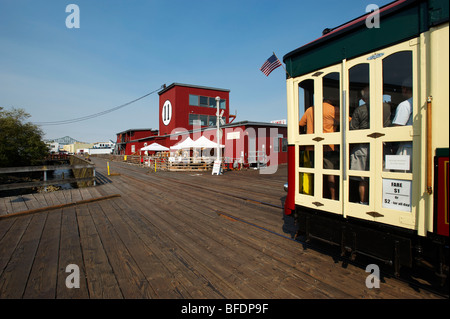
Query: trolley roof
(399, 21)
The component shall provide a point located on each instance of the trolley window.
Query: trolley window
(359, 97)
(331, 102)
(397, 88)
(397, 93)
(306, 101)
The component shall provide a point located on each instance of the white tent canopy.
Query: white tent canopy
(187, 143)
(204, 142)
(154, 147)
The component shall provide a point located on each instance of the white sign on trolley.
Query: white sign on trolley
(397, 194)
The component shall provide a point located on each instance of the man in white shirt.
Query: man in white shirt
(403, 116)
(403, 113)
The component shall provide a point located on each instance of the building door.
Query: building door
(252, 156)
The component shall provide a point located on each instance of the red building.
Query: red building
(183, 106)
(125, 143)
(190, 110)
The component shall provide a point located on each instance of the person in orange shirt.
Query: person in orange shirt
(331, 118)
(306, 124)
(307, 121)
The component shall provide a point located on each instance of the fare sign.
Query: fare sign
(397, 194)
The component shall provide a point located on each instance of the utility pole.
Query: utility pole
(217, 124)
(217, 168)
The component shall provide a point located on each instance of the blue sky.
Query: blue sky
(126, 49)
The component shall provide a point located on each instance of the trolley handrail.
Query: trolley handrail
(429, 147)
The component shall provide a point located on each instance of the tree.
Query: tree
(21, 142)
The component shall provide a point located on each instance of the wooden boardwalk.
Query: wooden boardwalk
(175, 235)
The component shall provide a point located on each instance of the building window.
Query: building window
(280, 143)
(203, 120)
(276, 142)
(193, 100)
(205, 101)
(284, 144)
(193, 118)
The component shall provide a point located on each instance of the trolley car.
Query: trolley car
(368, 136)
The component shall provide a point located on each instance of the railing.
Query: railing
(164, 163)
(58, 157)
(84, 172)
(258, 157)
(190, 164)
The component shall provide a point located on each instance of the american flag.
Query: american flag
(271, 64)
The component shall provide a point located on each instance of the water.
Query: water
(35, 176)
(62, 174)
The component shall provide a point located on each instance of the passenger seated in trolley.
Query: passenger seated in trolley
(359, 156)
(403, 113)
(402, 116)
(331, 116)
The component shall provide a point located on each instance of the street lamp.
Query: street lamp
(217, 163)
(217, 124)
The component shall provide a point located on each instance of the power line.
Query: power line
(79, 119)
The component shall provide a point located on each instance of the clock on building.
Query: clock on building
(166, 112)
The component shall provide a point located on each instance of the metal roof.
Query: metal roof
(191, 86)
(399, 20)
(137, 130)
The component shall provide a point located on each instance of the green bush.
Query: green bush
(21, 142)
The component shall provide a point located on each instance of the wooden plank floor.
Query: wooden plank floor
(170, 235)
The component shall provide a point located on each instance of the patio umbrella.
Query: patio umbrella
(204, 142)
(154, 147)
(187, 143)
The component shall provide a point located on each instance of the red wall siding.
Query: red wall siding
(233, 147)
(171, 96)
(179, 98)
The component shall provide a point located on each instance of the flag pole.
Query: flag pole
(282, 64)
